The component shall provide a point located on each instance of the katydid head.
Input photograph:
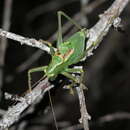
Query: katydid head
(54, 67)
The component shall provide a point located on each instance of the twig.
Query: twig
(102, 27)
(13, 113)
(83, 110)
(23, 40)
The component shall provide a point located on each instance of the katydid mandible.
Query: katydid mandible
(68, 52)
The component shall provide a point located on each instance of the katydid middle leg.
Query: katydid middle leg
(70, 76)
(73, 78)
(77, 70)
(74, 70)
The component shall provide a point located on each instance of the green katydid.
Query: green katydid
(68, 52)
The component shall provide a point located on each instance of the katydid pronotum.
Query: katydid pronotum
(68, 52)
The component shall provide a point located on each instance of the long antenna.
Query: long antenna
(53, 112)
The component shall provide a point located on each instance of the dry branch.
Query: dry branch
(107, 19)
(83, 110)
(95, 36)
(23, 40)
(14, 112)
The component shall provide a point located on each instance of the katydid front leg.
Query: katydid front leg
(38, 69)
(52, 49)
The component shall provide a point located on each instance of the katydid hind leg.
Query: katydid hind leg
(37, 69)
(59, 40)
(61, 13)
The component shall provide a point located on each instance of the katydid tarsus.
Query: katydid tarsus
(68, 52)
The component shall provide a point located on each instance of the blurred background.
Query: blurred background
(107, 72)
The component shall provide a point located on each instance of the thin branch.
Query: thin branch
(97, 32)
(14, 112)
(23, 40)
(83, 109)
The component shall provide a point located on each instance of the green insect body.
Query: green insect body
(69, 52)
